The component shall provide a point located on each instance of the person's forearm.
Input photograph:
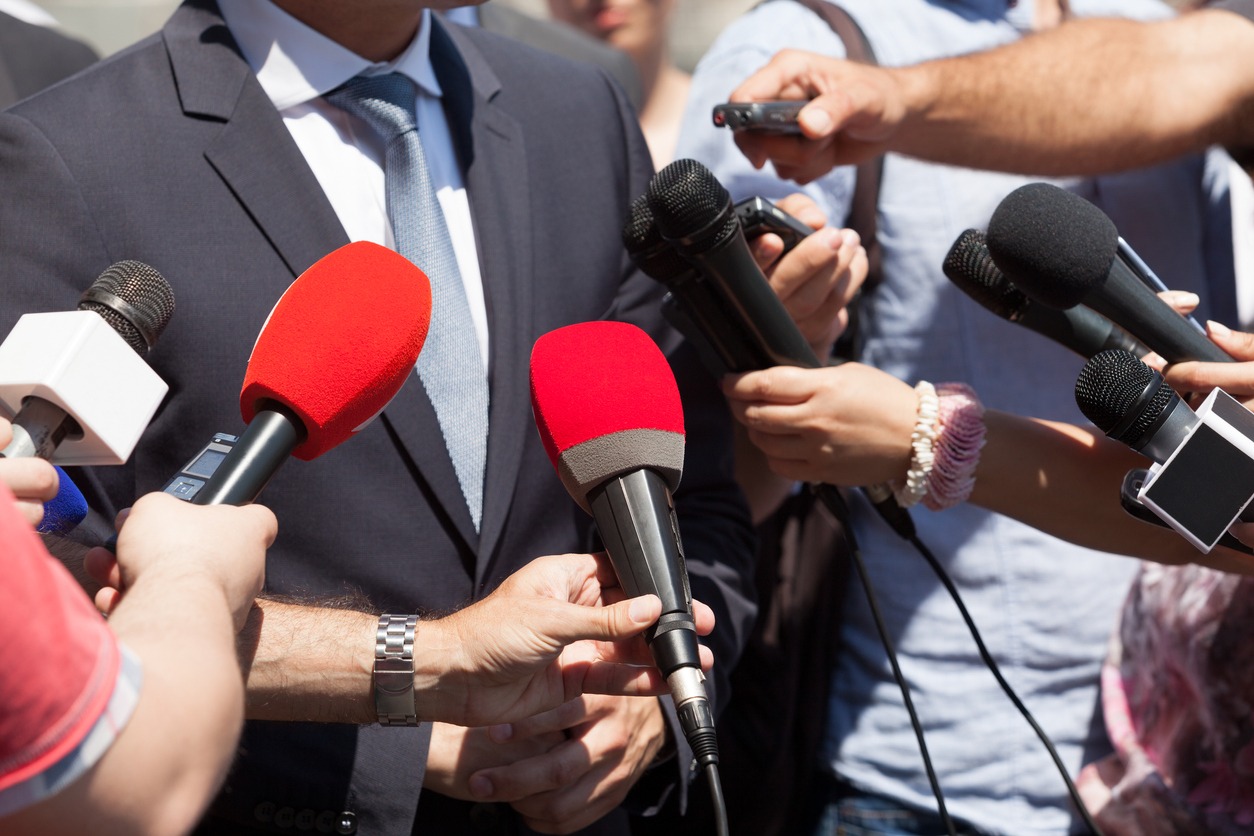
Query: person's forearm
(315, 664)
(1065, 480)
(171, 756)
(1091, 96)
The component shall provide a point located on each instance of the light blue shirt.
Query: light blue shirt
(1045, 608)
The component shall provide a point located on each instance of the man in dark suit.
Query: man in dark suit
(210, 152)
(32, 57)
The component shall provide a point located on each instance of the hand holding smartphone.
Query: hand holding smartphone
(770, 117)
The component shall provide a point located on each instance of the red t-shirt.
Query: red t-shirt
(58, 660)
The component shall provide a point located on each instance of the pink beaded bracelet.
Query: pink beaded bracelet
(956, 452)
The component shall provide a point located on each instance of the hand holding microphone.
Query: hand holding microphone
(608, 411)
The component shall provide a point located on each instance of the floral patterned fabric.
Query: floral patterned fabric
(1176, 694)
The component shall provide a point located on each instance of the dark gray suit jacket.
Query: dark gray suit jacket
(171, 153)
(33, 57)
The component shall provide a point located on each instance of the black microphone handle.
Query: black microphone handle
(1125, 300)
(636, 521)
(265, 445)
(737, 279)
(722, 326)
(1081, 329)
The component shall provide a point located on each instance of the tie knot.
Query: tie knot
(386, 102)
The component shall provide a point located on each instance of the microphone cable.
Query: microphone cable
(903, 525)
(830, 496)
(993, 668)
(721, 826)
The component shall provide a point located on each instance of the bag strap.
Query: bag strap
(866, 190)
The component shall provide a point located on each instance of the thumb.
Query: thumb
(572, 623)
(1239, 344)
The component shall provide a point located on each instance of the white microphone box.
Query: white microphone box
(1205, 484)
(76, 360)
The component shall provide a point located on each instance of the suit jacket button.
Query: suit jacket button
(325, 823)
(264, 812)
(305, 819)
(284, 817)
(346, 823)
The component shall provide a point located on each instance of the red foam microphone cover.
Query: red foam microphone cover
(606, 403)
(340, 343)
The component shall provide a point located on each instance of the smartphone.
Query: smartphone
(196, 473)
(757, 216)
(772, 117)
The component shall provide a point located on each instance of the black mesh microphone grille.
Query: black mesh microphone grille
(686, 198)
(134, 299)
(643, 240)
(1113, 384)
(1054, 245)
(971, 268)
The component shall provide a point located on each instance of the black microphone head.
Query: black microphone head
(655, 257)
(691, 206)
(1054, 245)
(969, 266)
(134, 299)
(1121, 395)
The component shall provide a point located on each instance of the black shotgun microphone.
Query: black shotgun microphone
(1063, 251)
(1080, 329)
(79, 376)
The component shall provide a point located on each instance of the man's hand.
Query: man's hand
(555, 629)
(456, 753)
(612, 740)
(818, 277)
(854, 111)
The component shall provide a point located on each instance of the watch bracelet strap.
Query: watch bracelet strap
(394, 670)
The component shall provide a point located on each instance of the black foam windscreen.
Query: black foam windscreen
(689, 202)
(969, 266)
(1054, 245)
(1114, 384)
(134, 299)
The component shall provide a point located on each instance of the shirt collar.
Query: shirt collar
(296, 64)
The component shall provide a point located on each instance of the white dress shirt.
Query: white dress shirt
(296, 67)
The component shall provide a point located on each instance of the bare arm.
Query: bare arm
(1093, 95)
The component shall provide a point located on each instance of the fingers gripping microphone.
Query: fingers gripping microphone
(75, 382)
(1062, 251)
(733, 304)
(608, 411)
(325, 364)
(1081, 329)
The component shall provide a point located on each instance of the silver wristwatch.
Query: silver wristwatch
(394, 670)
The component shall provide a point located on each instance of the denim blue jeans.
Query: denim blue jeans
(848, 812)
